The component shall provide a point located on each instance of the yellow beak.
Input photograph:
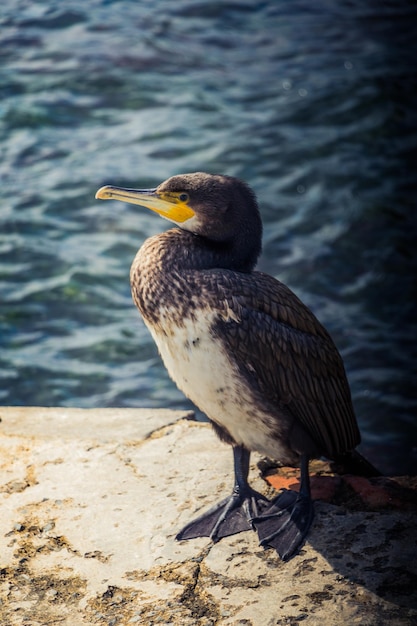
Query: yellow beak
(165, 204)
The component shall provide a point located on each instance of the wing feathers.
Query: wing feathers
(278, 341)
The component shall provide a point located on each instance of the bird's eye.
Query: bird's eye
(183, 197)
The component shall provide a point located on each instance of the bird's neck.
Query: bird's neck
(176, 250)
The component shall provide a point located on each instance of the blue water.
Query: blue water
(314, 104)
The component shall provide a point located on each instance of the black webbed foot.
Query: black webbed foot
(228, 517)
(233, 514)
(284, 525)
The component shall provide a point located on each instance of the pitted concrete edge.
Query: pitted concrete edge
(91, 501)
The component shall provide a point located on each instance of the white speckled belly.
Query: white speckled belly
(201, 368)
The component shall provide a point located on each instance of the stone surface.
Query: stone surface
(91, 501)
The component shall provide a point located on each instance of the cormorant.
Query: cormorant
(243, 348)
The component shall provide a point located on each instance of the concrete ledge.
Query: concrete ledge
(90, 504)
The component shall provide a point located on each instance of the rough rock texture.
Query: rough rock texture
(90, 504)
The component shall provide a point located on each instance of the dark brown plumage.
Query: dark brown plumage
(242, 346)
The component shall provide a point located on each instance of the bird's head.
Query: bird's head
(220, 209)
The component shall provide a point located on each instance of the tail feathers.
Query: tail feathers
(356, 464)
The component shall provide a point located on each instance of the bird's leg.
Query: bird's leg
(285, 523)
(233, 514)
